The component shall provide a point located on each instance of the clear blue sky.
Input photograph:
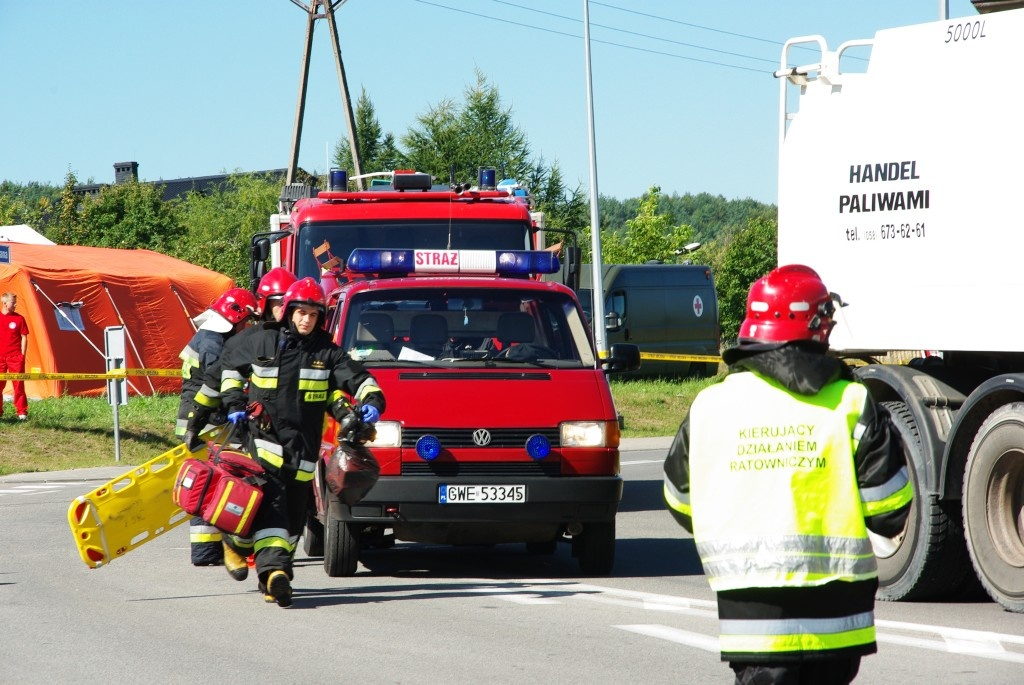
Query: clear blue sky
(683, 92)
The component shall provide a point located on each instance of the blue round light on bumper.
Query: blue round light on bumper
(428, 447)
(537, 446)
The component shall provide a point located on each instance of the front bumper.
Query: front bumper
(561, 500)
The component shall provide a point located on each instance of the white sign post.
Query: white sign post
(117, 389)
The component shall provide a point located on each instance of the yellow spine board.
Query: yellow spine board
(130, 510)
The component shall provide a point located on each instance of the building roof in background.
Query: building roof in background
(23, 233)
(125, 172)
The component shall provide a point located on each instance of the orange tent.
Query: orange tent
(70, 294)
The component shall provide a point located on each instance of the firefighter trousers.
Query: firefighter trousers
(205, 543)
(278, 524)
(826, 672)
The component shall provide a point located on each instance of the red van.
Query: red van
(500, 426)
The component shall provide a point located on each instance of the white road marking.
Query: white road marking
(29, 489)
(641, 461)
(977, 643)
(951, 633)
(517, 598)
(682, 637)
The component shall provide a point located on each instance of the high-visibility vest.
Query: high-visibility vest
(774, 492)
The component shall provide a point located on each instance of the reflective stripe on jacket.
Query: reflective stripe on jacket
(197, 358)
(294, 379)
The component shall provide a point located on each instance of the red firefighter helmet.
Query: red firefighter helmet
(236, 305)
(790, 303)
(308, 292)
(273, 284)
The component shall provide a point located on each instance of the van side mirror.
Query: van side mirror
(572, 257)
(612, 321)
(259, 252)
(622, 357)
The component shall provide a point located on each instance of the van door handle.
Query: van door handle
(627, 334)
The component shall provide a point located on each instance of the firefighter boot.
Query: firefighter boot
(235, 563)
(279, 588)
(267, 597)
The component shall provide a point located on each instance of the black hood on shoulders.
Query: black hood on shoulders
(803, 367)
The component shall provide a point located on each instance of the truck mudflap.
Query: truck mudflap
(434, 500)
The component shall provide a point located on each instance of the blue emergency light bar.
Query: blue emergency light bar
(338, 180)
(486, 178)
(501, 263)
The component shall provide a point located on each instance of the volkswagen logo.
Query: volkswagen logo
(482, 437)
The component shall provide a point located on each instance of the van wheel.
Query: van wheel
(313, 536)
(594, 548)
(341, 542)
(703, 369)
(993, 505)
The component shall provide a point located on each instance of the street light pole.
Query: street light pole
(596, 278)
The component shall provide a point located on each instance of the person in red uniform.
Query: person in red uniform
(13, 345)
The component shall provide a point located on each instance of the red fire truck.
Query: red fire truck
(315, 232)
(500, 426)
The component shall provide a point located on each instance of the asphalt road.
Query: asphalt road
(417, 613)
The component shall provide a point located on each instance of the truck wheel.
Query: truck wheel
(928, 560)
(341, 543)
(993, 505)
(594, 548)
(313, 536)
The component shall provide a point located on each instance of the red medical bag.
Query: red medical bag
(225, 491)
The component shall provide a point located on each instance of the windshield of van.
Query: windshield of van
(460, 326)
(344, 236)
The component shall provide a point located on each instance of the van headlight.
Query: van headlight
(589, 434)
(389, 434)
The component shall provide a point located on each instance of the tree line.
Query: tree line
(450, 141)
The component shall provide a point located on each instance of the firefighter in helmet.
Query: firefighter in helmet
(294, 374)
(270, 292)
(229, 314)
(779, 471)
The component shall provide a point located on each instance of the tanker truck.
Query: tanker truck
(902, 184)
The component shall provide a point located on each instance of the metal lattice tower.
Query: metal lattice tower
(322, 9)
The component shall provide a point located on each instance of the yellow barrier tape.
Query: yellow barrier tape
(675, 357)
(110, 375)
(681, 357)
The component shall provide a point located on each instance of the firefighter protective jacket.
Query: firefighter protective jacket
(293, 380)
(201, 353)
(778, 471)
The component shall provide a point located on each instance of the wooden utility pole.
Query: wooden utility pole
(312, 14)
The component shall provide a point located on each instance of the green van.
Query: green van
(670, 311)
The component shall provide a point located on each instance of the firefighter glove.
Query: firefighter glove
(237, 417)
(369, 413)
(340, 409)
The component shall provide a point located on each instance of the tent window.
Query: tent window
(69, 316)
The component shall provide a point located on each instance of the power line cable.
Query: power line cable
(594, 40)
(684, 23)
(710, 28)
(645, 35)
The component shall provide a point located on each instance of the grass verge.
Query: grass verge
(78, 432)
